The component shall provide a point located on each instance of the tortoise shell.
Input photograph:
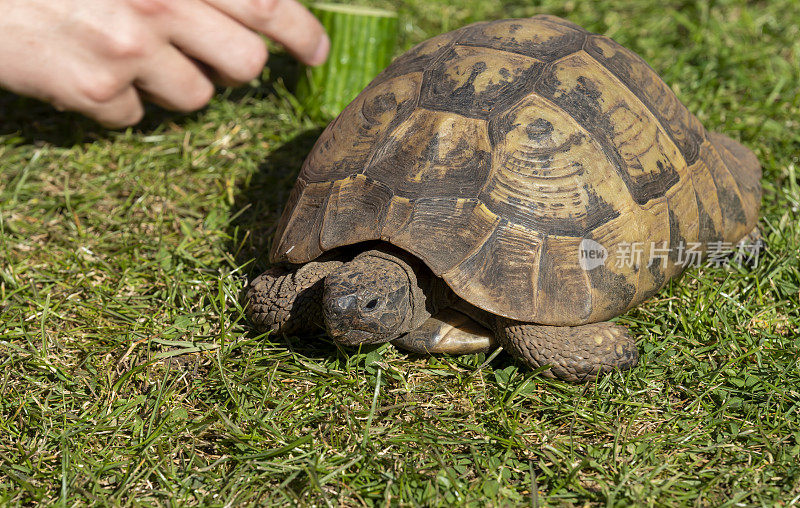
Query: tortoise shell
(494, 151)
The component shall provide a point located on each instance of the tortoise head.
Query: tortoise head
(369, 300)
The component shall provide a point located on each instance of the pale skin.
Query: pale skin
(103, 58)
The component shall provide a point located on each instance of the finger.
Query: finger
(99, 93)
(284, 21)
(122, 110)
(171, 80)
(233, 51)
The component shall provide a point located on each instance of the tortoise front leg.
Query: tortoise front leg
(289, 302)
(574, 353)
(450, 332)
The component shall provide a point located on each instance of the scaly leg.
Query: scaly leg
(289, 302)
(749, 249)
(575, 353)
(450, 332)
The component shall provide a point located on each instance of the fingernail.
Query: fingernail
(321, 53)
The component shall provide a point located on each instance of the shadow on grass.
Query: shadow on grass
(261, 198)
(37, 123)
(257, 208)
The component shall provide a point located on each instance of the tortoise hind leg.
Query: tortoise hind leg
(289, 302)
(749, 249)
(574, 353)
(450, 332)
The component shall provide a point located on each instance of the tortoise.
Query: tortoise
(450, 206)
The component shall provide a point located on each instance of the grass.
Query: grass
(129, 377)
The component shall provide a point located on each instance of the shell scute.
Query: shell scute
(709, 208)
(473, 82)
(563, 287)
(736, 189)
(642, 153)
(684, 219)
(420, 57)
(546, 40)
(546, 171)
(355, 205)
(298, 234)
(500, 275)
(683, 127)
(433, 154)
(467, 222)
(346, 145)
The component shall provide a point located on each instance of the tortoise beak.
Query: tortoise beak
(356, 337)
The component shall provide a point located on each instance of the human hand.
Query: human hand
(102, 57)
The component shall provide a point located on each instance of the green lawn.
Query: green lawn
(129, 376)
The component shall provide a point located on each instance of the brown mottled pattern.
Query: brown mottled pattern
(355, 205)
(471, 223)
(563, 287)
(346, 145)
(297, 237)
(745, 168)
(709, 209)
(684, 219)
(505, 266)
(734, 219)
(547, 171)
(683, 127)
(546, 40)
(474, 82)
(491, 152)
(630, 136)
(433, 154)
(419, 57)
